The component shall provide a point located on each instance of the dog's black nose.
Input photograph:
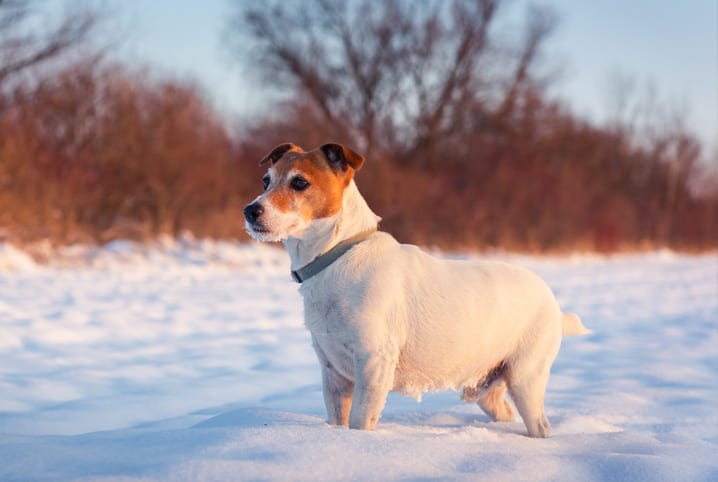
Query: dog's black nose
(253, 211)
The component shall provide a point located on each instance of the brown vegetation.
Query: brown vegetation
(465, 149)
(97, 152)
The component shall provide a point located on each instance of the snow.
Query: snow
(188, 360)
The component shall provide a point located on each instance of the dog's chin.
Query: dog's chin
(261, 234)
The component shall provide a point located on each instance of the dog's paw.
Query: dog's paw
(540, 428)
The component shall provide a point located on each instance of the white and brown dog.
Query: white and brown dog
(386, 316)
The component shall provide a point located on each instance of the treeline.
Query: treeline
(97, 152)
(539, 180)
(465, 149)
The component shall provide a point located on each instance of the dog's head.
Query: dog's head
(299, 187)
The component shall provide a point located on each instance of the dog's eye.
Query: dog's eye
(265, 181)
(299, 184)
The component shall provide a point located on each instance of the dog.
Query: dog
(386, 316)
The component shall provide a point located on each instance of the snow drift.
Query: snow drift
(187, 360)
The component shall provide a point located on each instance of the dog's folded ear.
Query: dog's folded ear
(340, 157)
(278, 152)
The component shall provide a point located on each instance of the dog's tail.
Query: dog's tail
(571, 325)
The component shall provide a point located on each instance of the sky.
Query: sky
(670, 45)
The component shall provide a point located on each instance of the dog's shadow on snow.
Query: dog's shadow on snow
(438, 414)
(425, 421)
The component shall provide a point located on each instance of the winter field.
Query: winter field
(188, 360)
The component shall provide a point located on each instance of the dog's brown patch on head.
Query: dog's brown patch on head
(323, 196)
(279, 151)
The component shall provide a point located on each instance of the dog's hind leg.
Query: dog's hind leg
(495, 404)
(527, 381)
(528, 373)
(529, 400)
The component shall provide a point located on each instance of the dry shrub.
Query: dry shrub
(465, 148)
(541, 180)
(98, 152)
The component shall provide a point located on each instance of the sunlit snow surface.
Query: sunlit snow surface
(188, 360)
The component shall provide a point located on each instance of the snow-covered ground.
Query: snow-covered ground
(188, 360)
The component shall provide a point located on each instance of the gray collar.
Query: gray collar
(322, 261)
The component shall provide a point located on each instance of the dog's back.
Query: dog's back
(450, 321)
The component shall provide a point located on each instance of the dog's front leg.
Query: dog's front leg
(373, 379)
(337, 395)
(337, 390)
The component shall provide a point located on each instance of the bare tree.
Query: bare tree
(25, 41)
(394, 75)
(643, 118)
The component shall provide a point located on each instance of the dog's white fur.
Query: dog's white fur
(389, 317)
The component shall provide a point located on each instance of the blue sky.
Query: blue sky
(669, 43)
(672, 44)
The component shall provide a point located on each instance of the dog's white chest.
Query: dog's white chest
(331, 333)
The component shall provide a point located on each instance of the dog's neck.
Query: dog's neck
(355, 217)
